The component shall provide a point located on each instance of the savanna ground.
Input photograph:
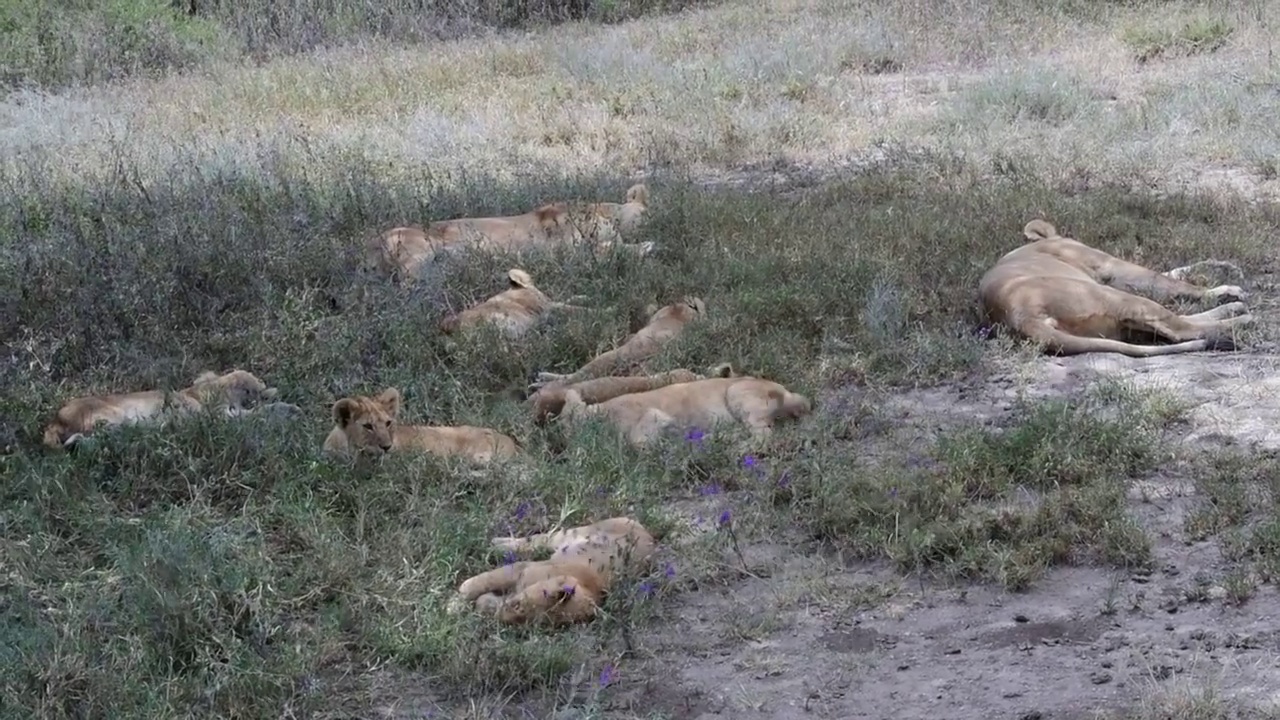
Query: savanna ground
(964, 529)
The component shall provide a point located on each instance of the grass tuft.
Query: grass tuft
(1195, 37)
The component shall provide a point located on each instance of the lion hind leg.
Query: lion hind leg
(497, 581)
(649, 427)
(1222, 312)
(1060, 342)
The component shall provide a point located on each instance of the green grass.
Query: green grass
(1197, 36)
(226, 569)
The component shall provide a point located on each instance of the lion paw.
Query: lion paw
(1227, 293)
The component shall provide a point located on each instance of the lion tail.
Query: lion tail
(639, 194)
(1039, 230)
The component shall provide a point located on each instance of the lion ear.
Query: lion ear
(390, 399)
(723, 370)
(343, 410)
(519, 278)
(206, 376)
(549, 215)
(696, 303)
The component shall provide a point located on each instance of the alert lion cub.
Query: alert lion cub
(548, 401)
(643, 417)
(567, 588)
(664, 325)
(402, 252)
(368, 425)
(236, 393)
(1077, 299)
(515, 310)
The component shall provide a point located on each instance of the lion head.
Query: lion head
(236, 390)
(1039, 230)
(689, 308)
(369, 423)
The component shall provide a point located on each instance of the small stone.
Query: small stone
(1020, 618)
(1100, 678)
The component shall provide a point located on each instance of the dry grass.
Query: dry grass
(784, 82)
(208, 219)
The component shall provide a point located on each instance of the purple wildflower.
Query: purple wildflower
(749, 461)
(785, 479)
(669, 571)
(646, 588)
(726, 517)
(569, 590)
(695, 436)
(606, 676)
(522, 510)
(509, 558)
(712, 489)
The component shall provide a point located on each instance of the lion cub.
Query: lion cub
(402, 252)
(608, 224)
(368, 425)
(643, 417)
(664, 325)
(236, 393)
(548, 401)
(568, 587)
(515, 311)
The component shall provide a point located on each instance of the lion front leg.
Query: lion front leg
(1138, 280)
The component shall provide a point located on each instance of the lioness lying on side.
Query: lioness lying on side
(1077, 299)
(402, 252)
(643, 417)
(515, 311)
(548, 401)
(567, 588)
(664, 325)
(365, 424)
(236, 393)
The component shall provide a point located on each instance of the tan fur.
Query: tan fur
(567, 588)
(515, 310)
(549, 400)
(664, 325)
(369, 425)
(403, 251)
(609, 224)
(1077, 299)
(236, 393)
(643, 417)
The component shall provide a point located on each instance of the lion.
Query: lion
(236, 393)
(605, 225)
(369, 425)
(565, 589)
(663, 326)
(402, 252)
(1077, 299)
(548, 401)
(643, 417)
(515, 310)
